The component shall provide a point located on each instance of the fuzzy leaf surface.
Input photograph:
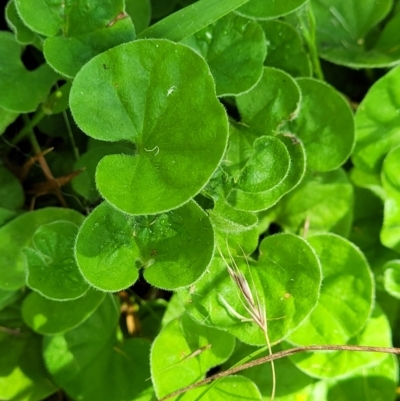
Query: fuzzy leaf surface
(168, 109)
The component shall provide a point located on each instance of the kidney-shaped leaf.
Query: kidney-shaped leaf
(341, 363)
(234, 48)
(392, 278)
(324, 125)
(17, 234)
(183, 353)
(274, 100)
(160, 96)
(378, 123)
(52, 270)
(346, 297)
(173, 248)
(286, 280)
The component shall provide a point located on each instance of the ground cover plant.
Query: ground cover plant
(199, 194)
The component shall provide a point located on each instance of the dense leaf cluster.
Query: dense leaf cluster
(203, 169)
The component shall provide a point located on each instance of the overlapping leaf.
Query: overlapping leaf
(327, 138)
(347, 32)
(377, 123)
(77, 32)
(46, 316)
(17, 234)
(172, 116)
(196, 349)
(174, 249)
(231, 38)
(286, 279)
(21, 90)
(347, 294)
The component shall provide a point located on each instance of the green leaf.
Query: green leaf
(348, 33)
(377, 123)
(7, 117)
(84, 184)
(374, 383)
(174, 248)
(9, 297)
(46, 316)
(274, 100)
(52, 270)
(328, 138)
(17, 234)
(231, 38)
(168, 109)
(90, 353)
(340, 364)
(291, 383)
(347, 293)
(261, 9)
(11, 191)
(23, 374)
(235, 229)
(392, 278)
(286, 279)
(191, 19)
(322, 202)
(256, 168)
(390, 233)
(285, 49)
(195, 350)
(21, 90)
(140, 13)
(22, 33)
(68, 54)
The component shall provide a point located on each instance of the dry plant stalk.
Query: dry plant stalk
(254, 307)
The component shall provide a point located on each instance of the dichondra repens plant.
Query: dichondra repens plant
(199, 200)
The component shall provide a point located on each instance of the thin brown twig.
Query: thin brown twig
(282, 354)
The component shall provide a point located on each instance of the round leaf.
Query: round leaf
(174, 248)
(231, 38)
(46, 316)
(378, 123)
(324, 125)
(285, 279)
(285, 48)
(167, 108)
(322, 202)
(339, 364)
(347, 293)
(17, 234)
(52, 270)
(295, 164)
(183, 353)
(274, 100)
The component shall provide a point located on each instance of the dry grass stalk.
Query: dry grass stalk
(252, 304)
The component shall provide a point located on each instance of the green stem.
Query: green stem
(71, 135)
(29, 124)
(29, 131)
(308, 27)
